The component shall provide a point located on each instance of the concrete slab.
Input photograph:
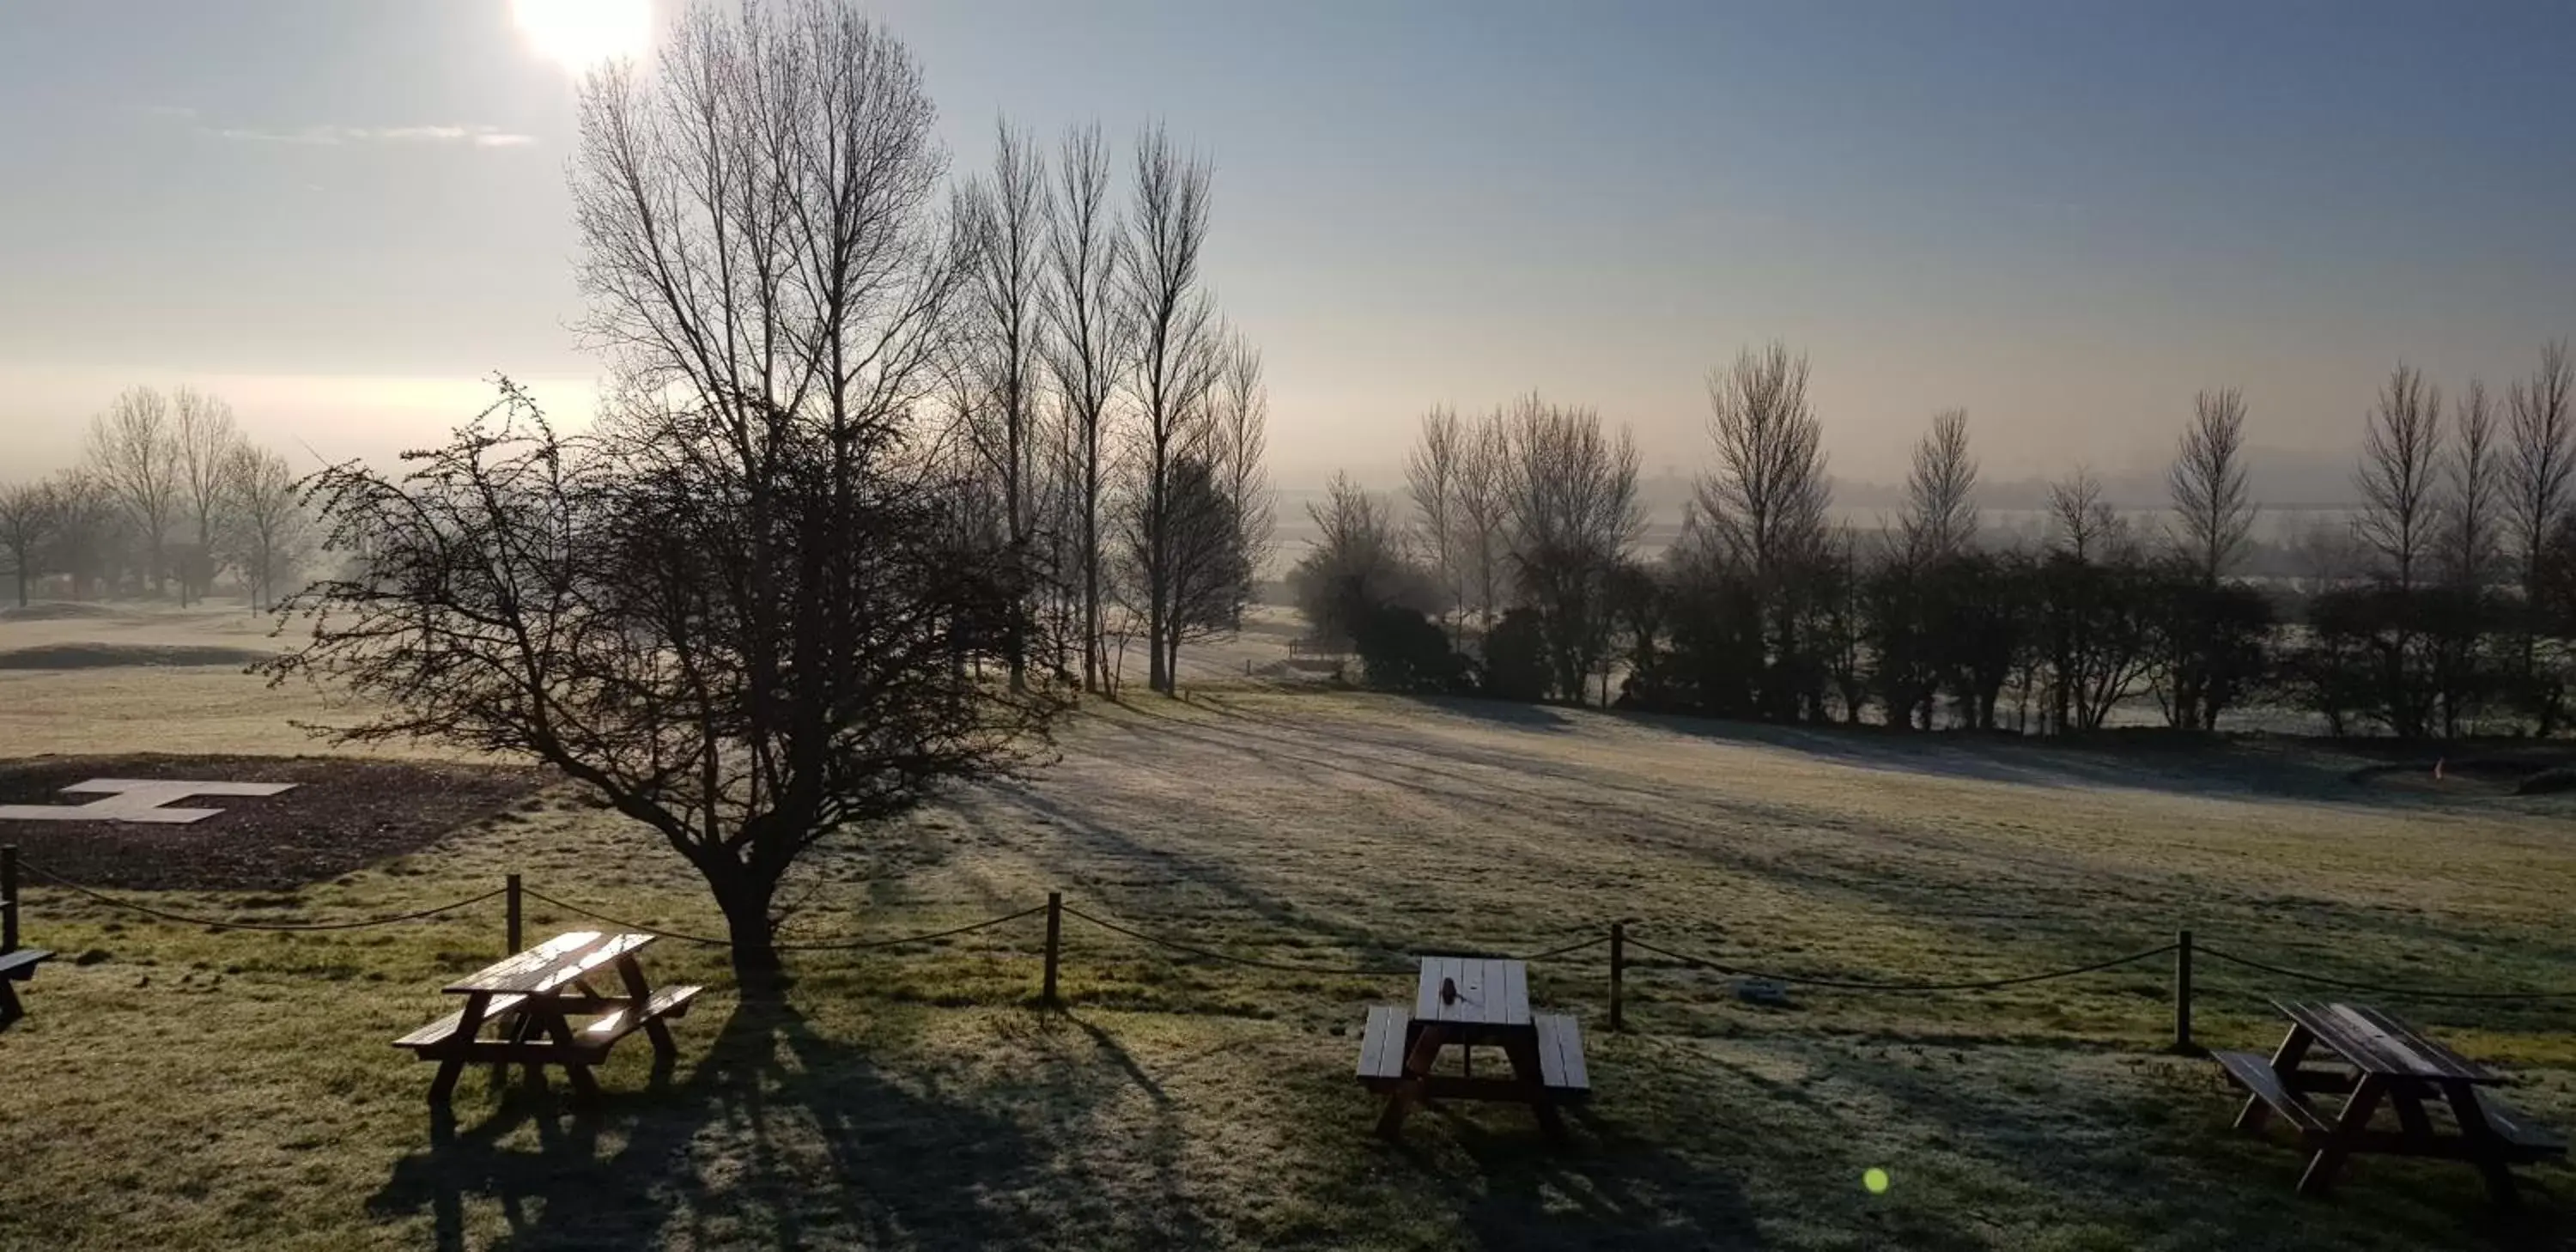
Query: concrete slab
(141, 800)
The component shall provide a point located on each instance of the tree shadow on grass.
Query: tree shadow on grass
(2155, 1151)
(779, 1137)
(1509, 713)
(2189, 766)
(1625, 1183)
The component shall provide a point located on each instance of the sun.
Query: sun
(578, 34)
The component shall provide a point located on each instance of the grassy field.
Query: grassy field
(185, 1088)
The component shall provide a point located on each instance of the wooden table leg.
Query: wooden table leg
(444, 1085)
(1523, 1049)
(2486, 1147)
(2408, 1099)
(2329, 1159)
(633, 976)
(1417, 1066)
(10, 1009)
(2285, 1062)
(559, 1028)
(469, 1023)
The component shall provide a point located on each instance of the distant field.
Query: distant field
(184, 1088)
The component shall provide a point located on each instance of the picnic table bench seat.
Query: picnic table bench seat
(2527, 1141)
(439, 1032)
(1382, 1047)
(17, 965)
(621, 1022)
(1560, 1055)
(2255, 1074)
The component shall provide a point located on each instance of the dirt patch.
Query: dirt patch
(60, 656)
(343, 815)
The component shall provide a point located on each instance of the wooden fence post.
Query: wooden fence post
(8, 897)
(516, 947)
(1055, 928)
(2182, 994)
(1618, 968)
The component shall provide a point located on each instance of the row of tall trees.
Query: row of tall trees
(169, 492)
(1525, 516)
(884, 460)
(2446, 604)
(1113, 424)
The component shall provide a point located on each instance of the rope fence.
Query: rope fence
(860, 945)
(2408, 993)
(212, 923)
(1617, 939)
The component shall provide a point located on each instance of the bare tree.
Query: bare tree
(2082, 520)
(2213, 507)
(1089, 349)
(733, 612)
(202, 425)
(1484, 516)
(29, 515)
(134, 455)
(1574, 513)
(90, 528)
(1431, 472)
(1356, 565)
(1766, 502)
(1005, 221)
(2400, 474)
(2469, 536)
(1941, 492)
(2540, 463)
(1243, 448)
(265, 505)
(1174, 368)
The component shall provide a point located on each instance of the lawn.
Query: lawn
(186, 1088)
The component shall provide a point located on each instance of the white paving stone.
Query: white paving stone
(137, 800)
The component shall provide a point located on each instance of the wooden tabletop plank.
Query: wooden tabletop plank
(2434, 1055)
(539, 957)
(2376, 1043)
(1491, 991)
(553, 964)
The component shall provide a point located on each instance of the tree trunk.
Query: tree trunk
(745, 901)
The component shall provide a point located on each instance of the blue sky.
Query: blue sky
(2063, 216)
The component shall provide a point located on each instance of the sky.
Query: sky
(2064, 216)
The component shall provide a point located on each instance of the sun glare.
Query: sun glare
(578, 34)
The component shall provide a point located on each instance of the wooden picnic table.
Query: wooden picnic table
(530, 1001)
(2375, 1060)
(1468, 1003)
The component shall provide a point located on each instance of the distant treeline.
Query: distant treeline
(2444, 604)
(168, 494)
